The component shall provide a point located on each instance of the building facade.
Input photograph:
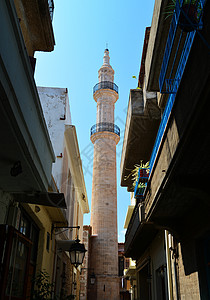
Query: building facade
(105, 136)
(168, 230)
(26, 164)
(123, 263)
(69, 179)
(34, 196)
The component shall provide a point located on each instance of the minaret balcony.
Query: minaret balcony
(103, 85)
(99, 127)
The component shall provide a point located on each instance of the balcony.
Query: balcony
(100, 127)
(36, 24)
(173, 65)
(103, 85)
(174, 53)
(139, 233)
(140, 131)
(173, 200)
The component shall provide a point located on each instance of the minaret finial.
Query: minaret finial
(106, 57)
(107, 46)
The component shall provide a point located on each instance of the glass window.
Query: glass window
(17, 268)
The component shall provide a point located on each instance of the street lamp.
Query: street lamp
(92, 278)
(77, 253)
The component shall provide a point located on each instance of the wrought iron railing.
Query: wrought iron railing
(105, 85)
(99, 127)
(170, 102)
(172, 84)
(51, 8)
(165, 84)
(141, 183)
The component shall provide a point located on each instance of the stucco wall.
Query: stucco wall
(155, 253)
(55, 105)
(45, 258)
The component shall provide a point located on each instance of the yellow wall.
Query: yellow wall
(45, 259)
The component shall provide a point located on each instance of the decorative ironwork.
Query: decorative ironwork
(141, 183)
(175, 22)
(170, 102)
(99, 127)
(51, 8)
(171, 85)
(103, 85)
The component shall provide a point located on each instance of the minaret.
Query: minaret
(105, 136)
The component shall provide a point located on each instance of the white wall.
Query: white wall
(55, 105)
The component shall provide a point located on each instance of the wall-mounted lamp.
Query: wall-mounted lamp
(77, 253)
(37, 208)
(16, 169)
(92, 278)
(76, 249)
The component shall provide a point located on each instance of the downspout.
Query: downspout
(169, 271)
(176, 279)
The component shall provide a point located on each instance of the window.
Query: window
(120, 265)
(161, 282)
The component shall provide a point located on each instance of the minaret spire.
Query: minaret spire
(106, 57)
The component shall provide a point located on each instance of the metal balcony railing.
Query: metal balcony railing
(99, 127)
(51, 8)
(105, 85)
(172, 84)
(169, 85)
(141, 183)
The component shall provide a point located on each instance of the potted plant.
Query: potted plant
(139, 175)
(189, 15)
(139, 190)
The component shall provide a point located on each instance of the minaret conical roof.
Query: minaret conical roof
(106, 57)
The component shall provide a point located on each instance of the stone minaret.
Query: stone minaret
(105, 136)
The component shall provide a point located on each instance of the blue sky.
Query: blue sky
(82, 29)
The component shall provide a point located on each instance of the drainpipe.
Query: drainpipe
(176, 279)
(169, 271)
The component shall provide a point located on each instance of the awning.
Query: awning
(40, 198)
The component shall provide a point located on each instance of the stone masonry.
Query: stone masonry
(104, 241)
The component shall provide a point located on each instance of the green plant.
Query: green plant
(141, 185)
(136, 78)
(43, 288)
(135, 172)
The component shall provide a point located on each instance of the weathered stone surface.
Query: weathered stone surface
(104, 241)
